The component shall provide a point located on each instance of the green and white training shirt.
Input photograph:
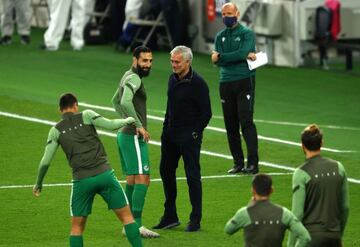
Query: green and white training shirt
(129, 100)
(77, 136)
(264, 225)
(321, 197)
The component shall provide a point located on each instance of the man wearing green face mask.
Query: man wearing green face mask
(233, 45)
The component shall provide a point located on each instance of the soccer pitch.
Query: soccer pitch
(286, 101)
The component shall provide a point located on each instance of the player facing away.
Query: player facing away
(264, 223)
(320, 193)
(129, 100)
(92, 174)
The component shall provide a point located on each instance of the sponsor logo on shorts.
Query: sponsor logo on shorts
(146, 168)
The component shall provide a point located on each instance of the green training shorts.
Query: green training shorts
(134, 154)
(84, 190)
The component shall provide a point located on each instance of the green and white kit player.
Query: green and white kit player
(320, 193)
(130, 101)
(264, 223)
(92, 174)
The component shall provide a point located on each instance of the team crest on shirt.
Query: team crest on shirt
(146, 168)
(237, 39)
(223, 39)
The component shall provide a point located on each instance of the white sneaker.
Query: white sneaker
(146, 233)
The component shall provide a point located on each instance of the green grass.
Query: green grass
(31, 81)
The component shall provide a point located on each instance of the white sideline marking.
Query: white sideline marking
(152, 180)
(305, 124)
(280, 122)
(264, 163)
(271, 139)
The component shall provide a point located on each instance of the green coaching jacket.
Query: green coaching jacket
(234, 45)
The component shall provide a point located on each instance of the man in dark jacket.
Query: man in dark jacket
(188, 112)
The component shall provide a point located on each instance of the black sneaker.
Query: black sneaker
(25, 39)
(251, 170)
(6, 40)
(236, 169)
(166, 223)
(192, 227)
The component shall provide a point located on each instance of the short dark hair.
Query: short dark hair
(67, 100)
(140, 49)
(262, 184)
(311, 137)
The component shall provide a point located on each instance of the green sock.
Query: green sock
(138, 202)
(133, 234)
(129, 189)
(76, 241)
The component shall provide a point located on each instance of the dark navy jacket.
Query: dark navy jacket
(188, 106)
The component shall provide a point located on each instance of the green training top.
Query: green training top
(129, 100)
(264, 225)
(320, 196)
(234, 45)
(79, 140)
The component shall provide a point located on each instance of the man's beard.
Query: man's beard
(142, 72)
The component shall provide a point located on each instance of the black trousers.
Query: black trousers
(318, 240)
(173, 146)
(117, 12)
(237, 100)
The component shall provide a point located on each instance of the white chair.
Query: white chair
(100, 15)
(159, 22)
(36, 4)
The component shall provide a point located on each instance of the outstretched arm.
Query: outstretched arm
(91, 117)
(49, 153)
